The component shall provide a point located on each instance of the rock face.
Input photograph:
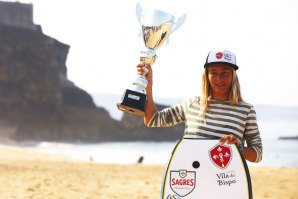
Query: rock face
(37, 100)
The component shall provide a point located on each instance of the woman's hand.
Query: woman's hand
(249, 153)
(228, 139)
(150, 108)
(145, 69)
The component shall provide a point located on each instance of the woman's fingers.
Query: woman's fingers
(142, 69)
(145, 70)
(228, 139)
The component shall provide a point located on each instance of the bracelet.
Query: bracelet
(240, 147)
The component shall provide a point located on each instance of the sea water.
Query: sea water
(276, 152)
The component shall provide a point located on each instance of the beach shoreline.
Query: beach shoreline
(29, 174)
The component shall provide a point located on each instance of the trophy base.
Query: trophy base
(133, 102)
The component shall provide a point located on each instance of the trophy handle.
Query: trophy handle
(178, 24)
(139, 10)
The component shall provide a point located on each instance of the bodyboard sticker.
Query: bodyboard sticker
(182, 182)
(221, 156)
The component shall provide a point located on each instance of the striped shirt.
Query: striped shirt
(221, 118)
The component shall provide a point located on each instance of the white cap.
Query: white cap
(221, 57)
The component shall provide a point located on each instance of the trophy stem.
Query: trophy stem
(148, 57)
(140, 84)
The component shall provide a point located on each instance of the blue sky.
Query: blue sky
(105, 46)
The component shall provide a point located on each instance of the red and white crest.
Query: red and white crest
(219, 55)
(182, 182)
(221, 155)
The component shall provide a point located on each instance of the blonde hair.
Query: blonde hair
(235, 93)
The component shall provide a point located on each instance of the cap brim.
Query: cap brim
(235, 67)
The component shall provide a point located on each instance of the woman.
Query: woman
(219, 113)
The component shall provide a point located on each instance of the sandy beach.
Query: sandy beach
(27, 174)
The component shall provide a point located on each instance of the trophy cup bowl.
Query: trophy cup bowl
(156, 27)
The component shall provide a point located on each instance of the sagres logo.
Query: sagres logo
(183, 182)
(221, 156)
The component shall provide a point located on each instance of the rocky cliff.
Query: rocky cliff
(38, 102)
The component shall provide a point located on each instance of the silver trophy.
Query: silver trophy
(156, 27)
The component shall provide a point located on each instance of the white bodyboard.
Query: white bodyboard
(205, 169)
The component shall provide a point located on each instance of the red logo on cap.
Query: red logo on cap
(219, 55)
